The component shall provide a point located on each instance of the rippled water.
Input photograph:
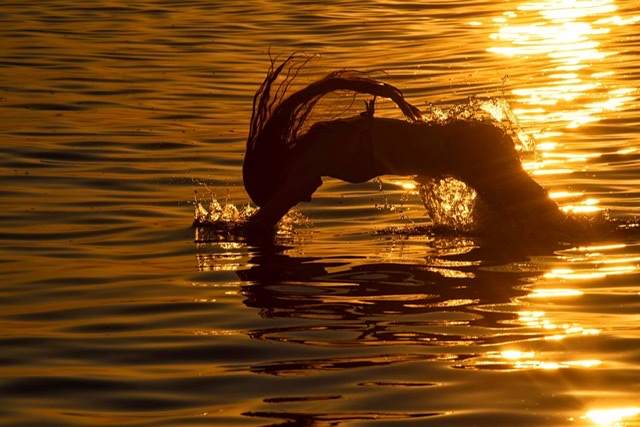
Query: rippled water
(114, 310)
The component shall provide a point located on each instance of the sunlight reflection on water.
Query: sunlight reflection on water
(572, 35)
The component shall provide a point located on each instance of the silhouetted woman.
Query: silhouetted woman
(284, 162)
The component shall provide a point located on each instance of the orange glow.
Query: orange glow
(612, 416)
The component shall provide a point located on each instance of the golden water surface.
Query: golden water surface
(113, 113)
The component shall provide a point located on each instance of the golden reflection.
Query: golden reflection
(591, 273)
(626, 150)
(516, 354)
(587, 206)
(452, 273)
(557, 195)
(408, 186)
(593, 262)
(516, 359)
(227, 261)
(552, 293)
(568, 35)
(612, 416)
(537, 320)
(513, 359)
(595, 248)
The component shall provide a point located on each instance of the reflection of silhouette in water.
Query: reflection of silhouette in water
(356, 314)
(375, 323)
(286, 159)
(384, 303)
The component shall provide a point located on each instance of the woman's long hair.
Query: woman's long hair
(277, 119)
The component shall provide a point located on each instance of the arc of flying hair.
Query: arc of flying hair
(278, 118)
(279, 114)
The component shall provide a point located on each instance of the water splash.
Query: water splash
(500, 110)
(496, 109)
(216, 221)
(219, 214)
(450, 203)
(453, 206)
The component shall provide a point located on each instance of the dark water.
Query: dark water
(113, 113)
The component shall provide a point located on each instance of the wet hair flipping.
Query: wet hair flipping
(277, 119)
